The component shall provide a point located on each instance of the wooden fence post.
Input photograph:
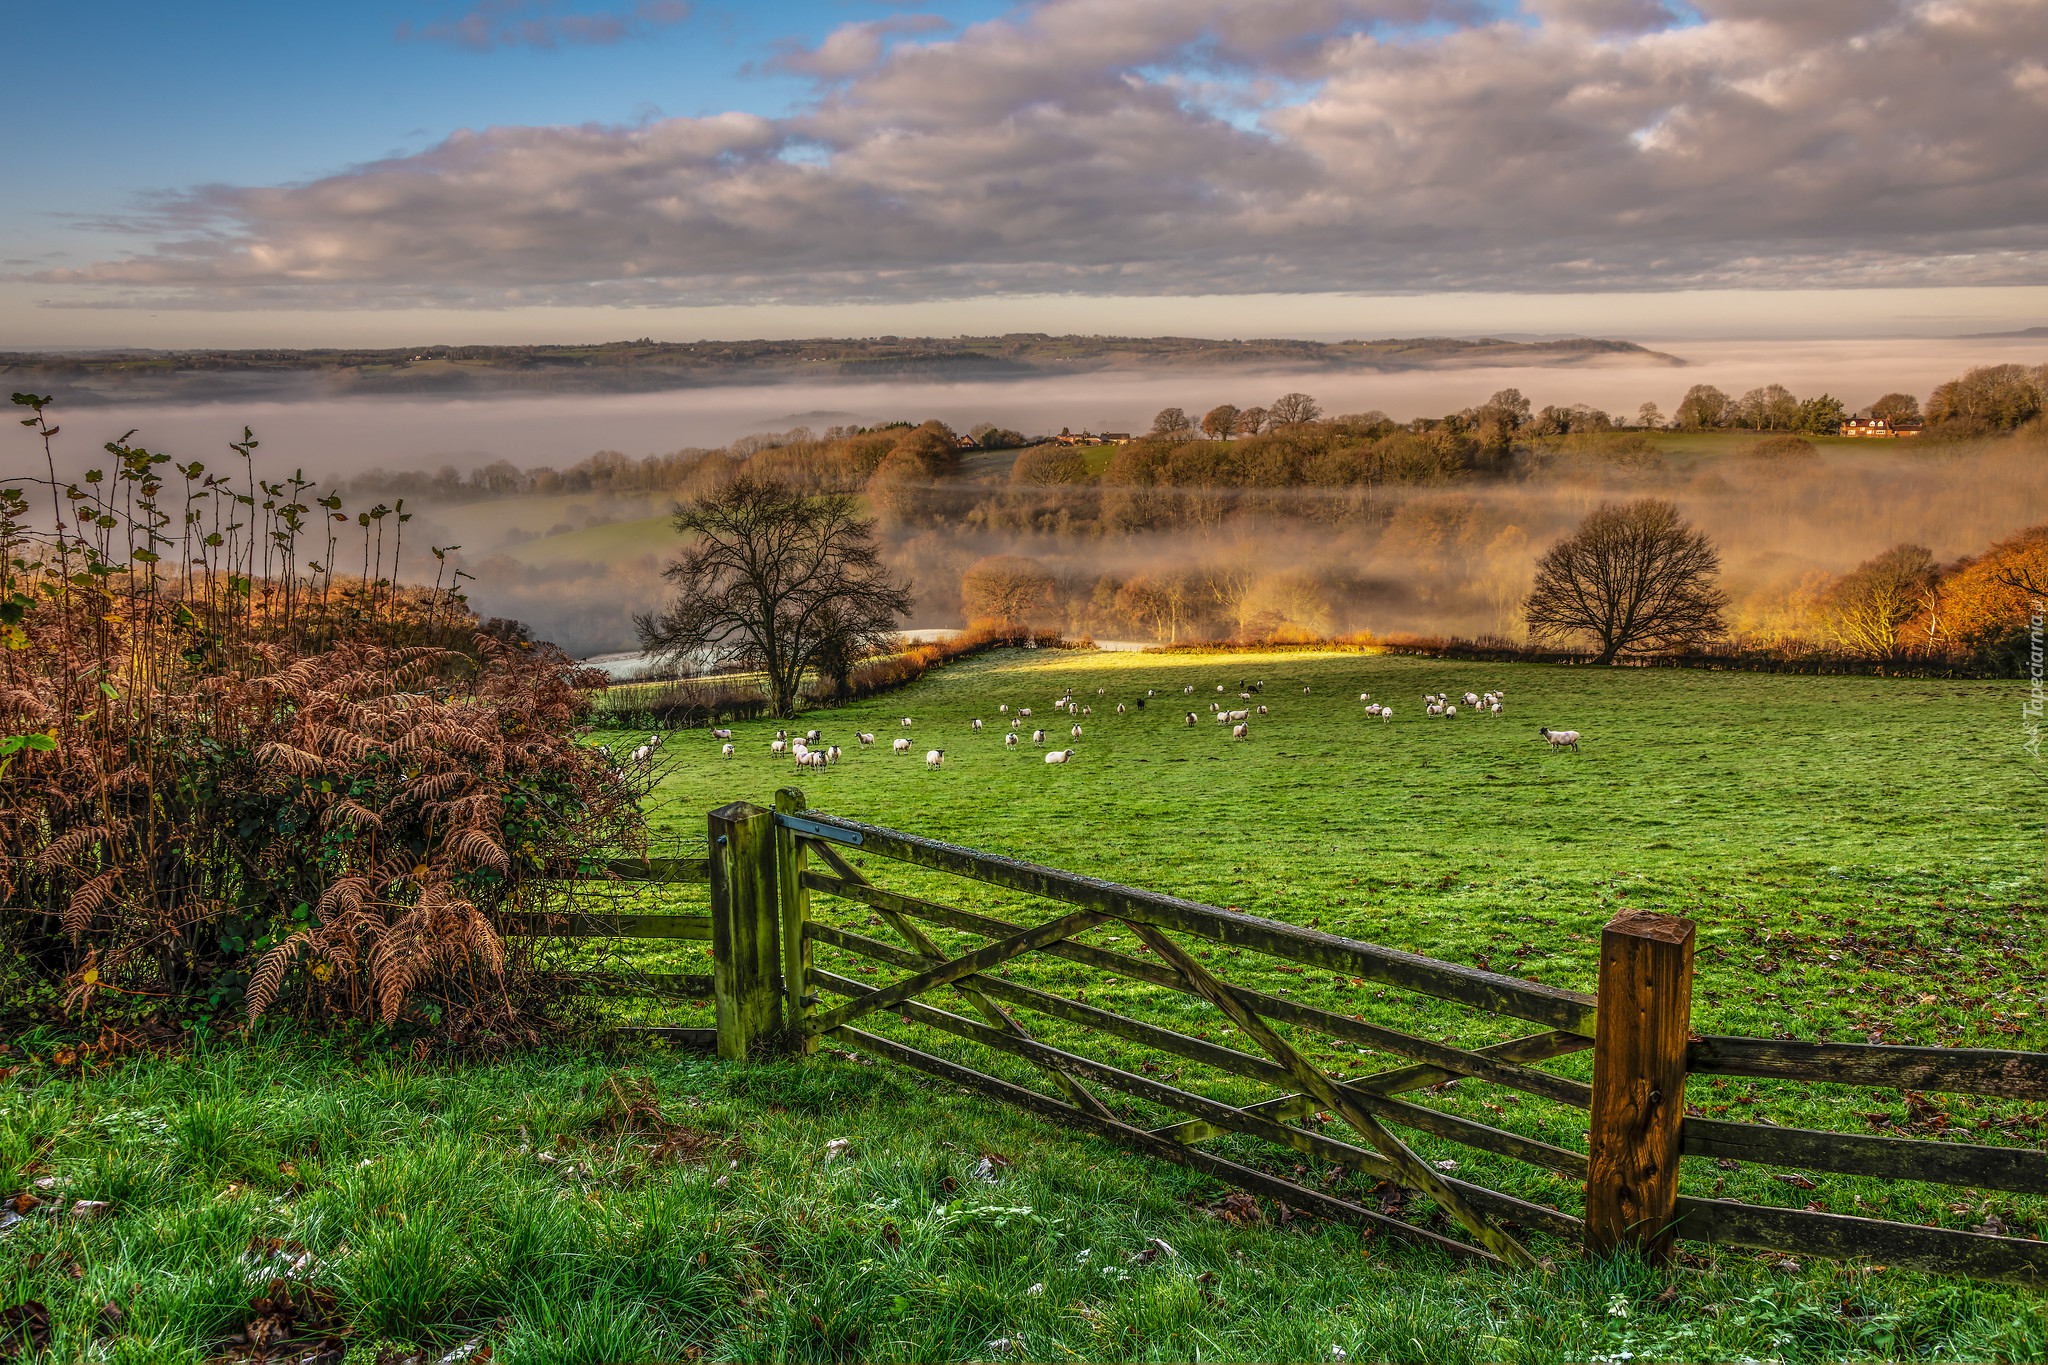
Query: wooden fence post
(791, 861)
(746, 937)
(1644, 1021)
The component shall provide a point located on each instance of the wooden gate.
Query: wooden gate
(786, 978)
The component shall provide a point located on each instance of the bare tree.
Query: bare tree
(1633, 576)
(1007, 588)
(777, 581)
(1172, 425)
(1251, 421)
(1294, 409)
(1220, 422)
(1869, 606)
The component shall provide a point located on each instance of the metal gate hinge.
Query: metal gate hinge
(816, 830)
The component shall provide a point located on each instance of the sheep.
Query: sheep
(726, 750)
(1496, 708)
(1059, 755)
(1087, 710)
(901, 746)
(1038, 738)
(1240, 732)
(1151, 692)
(934, 758)
(640, 754)
(1014, 723)
(1141, 703)
(1560, 739)
(1073, 709)
(1386, 714)
(782, 734)
(799, 748)
(977, 725)
(1304, 691)
(721, 734)
(1010, 740)
(1187, 691)
(1244, 696)
(832, 754)
(811, 758)
(1365, 696)
(814, 736)
(1219, 687)
(1023, 710)
(1191, 718)
(1374, 709)
(866, 738)
(1450, 712)
(1262, 708)
(778, 746)
(1471, 699)
(1077, 732)
(1004, 708)
(906, 722)
(1119, 708)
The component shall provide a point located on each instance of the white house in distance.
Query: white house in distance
(1863, 424)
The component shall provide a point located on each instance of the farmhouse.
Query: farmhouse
(1864, 424)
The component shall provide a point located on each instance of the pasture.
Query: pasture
(1862, 856)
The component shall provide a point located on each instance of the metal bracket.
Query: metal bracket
(818, 831)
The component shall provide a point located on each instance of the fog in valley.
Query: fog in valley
(1442, 551)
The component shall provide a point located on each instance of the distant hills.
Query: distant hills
(2003, 336)
(649, 366)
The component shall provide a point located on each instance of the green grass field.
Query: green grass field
(1862, 856)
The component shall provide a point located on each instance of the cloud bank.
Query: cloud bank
(1181, 147)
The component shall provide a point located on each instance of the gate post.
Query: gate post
(746, 938)
(792, 859)
(1644, 1022)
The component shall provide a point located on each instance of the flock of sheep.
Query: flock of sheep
(810, 751)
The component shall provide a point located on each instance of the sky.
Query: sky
(399, 173)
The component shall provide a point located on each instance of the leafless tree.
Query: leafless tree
(1172, 424)
(778, 581)
(1007, 588)
(1251, 421)
(1633, 576)
(1868, 606)
(1294, 409)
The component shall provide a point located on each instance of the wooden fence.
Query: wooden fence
(765, 867)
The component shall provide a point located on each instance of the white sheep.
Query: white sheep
(1560, 739)
(1386, 714)
(1219, 687)
(721, 734)
(1191, 718)
(1450, 711)
(1038, 738)
(934, 758)
(865, 737)
(778, 746)
(782, 734)
(906, 722)
(1004, 708)
(1059, 755)
(1077, 732)
(1023, 710)
(901, 746)
(1365, 696)
(1240, 732)
(726, 750)
(1374, 709)
(1187, 691)
(1262, 709)
(1010, 740)
(977, 725)
(813, 758)
(1119, 708)
(1471, 699)
(832, 754)
(814, 736)
(799, 748)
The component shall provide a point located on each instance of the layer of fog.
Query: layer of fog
(346, 436)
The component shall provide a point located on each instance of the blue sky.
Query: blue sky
(234, 173)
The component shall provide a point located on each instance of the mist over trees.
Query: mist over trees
(1278, 521)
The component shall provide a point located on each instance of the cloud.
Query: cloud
(1082, 146)
(492, 24)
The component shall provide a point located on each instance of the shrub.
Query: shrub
(235, 776)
